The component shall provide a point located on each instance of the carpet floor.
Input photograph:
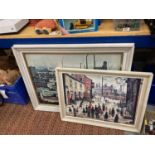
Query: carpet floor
(23, 120)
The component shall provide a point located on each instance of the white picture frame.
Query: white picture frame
(140, 102)
(125, 50)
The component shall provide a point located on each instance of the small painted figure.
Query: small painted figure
(70, 110)
(113, 112)
(103, 107)
(96, 112)
(84, 111)
(121, 112)
(104, 66)
(99, 108)
(92, 112)
(106, 115)
(74, 111)
(89, 111)
(116, 118)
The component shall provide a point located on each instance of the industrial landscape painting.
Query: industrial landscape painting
(42, 69)
(98, 97)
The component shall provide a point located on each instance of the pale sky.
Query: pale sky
(114, 61)
(109, 80)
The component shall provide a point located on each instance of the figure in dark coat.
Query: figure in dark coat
(84, 111)
(86, 108)
(81, 102)
(92, 112)
(96, 112)
(122, 112)
(113, 112)
(106, 115)
(103, 107)
(74, 111)
(89, 111)
(99, 108)
(70, 110)
(96, 107)
(104, 66)
(116, 118)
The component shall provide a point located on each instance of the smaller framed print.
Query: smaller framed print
(114, 99)
(79, 25)
(37, 65)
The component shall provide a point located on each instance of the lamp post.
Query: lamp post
(86, 61)
(80, 65)
(102, 85)
(94, 62)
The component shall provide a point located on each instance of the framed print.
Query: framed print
(114, 99)
(79, 25)
(37, 64)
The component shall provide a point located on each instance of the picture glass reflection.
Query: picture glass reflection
(111, 98)
(42, 69)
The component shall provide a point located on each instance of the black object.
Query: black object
(151, 25)
(71, 26)
(116, 118)
(154, 126)
(106, 115)
(147, 128)
(1, 100)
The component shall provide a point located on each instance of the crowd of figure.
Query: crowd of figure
(98, 112)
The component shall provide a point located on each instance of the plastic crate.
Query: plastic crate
(127, 24)
(152, 94)
(68, 25)
(16, 93)
(151, 68)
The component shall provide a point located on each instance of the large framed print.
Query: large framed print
(114, 99)
(37, 64)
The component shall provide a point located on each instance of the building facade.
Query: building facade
(109, 92)
(133, 86)
(74, 89)
(88, 84)
(44, 81)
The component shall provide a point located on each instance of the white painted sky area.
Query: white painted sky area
(108, 80)
(75, 61)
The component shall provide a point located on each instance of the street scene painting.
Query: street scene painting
(98, 97)
(42, 69)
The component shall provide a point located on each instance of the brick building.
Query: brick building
(74, 89)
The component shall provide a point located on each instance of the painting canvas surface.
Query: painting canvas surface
(42, 69)
(103, 98)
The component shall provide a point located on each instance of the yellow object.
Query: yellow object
(146, 123)
(82, 23)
